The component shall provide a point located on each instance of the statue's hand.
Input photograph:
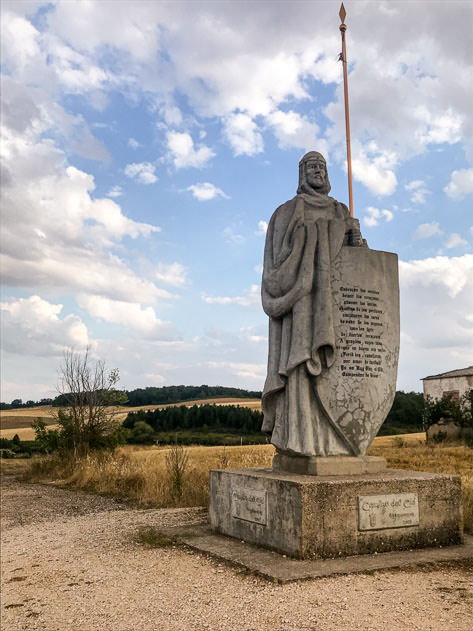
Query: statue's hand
(353, 235)
(356, 238)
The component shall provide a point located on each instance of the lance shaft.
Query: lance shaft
(343, 28)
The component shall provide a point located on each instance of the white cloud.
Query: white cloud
(374, 215)
(253, 371)
(115, 191)
(155, 379)
(454, 240)
(427, 230)
(294, 130)
(128, 314)
(73, 231)
(262, 227)
(461, 184)
(173, 274)
(436, 316)
(375, 172)
(230, 236)
(453, 275)
(415, 184)
(33, 326)
(251, 299)
(444, 128)
(183, 153)
(131, 28)
(258, 338)
(144, 172)
(204, 191)
(133, 144)
(419, 191)
(422, 94)
(243, 135)
(172, 115)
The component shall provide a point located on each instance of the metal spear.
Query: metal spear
(343, 58)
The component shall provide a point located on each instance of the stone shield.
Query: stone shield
(358, 389)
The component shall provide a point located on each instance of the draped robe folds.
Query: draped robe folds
(304, 236)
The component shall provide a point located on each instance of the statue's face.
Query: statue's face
(316, 173)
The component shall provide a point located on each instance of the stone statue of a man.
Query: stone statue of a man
(304, 237)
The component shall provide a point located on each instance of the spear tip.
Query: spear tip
(342, 14)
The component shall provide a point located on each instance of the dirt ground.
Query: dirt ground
(70, 562)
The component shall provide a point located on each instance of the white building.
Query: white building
(454, 383)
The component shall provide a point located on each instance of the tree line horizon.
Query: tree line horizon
(406, 411)
(150, 395)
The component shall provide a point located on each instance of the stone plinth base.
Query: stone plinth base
(330, 516)
(333, 465)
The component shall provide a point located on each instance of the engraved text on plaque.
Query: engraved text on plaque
(398, 510)
(249, 505)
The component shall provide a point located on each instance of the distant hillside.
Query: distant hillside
(174, 394)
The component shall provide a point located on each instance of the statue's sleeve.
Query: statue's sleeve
(288, 259)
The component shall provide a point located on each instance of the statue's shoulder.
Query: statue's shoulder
(284, 211)
(340, 209)
(288, 205)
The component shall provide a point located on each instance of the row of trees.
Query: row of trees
(175, 394)
(203, 417)
(18, 403)
(406, 415)
(151, 396)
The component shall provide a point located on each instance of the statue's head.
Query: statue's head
(313, 176)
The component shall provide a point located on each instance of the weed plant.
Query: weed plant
(177, 461)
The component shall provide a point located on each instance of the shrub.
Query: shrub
(439, 437)
(445, 409)
(7, 453)
(176, 465)
(46, 439)
(142, 433)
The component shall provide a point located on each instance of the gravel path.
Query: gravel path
(69, 562)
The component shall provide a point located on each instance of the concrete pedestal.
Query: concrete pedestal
(307, 516)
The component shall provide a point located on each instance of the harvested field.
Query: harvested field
(20, 422)
(21, 418)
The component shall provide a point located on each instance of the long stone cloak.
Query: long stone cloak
(304, 236)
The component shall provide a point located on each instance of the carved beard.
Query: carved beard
(305, 187)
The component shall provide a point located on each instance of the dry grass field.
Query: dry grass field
(141, 475)
(18, 421)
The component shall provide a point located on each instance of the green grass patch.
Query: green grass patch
(152, 538)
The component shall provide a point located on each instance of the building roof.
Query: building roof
(461, 372)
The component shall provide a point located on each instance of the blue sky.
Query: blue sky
(145, 146)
